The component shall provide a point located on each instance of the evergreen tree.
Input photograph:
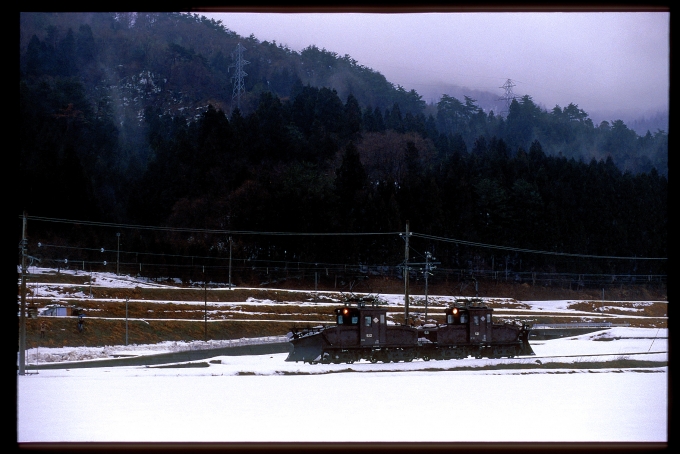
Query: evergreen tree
(352, 118)
(351, 183)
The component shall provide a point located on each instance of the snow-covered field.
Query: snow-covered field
(266, 399)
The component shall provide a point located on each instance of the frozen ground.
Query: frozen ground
(265, 399)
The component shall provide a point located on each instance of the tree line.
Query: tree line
(313, 161)
(308, 165)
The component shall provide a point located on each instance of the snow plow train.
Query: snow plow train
(361, 332)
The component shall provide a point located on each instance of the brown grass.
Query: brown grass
(62, 331)
(165, 319)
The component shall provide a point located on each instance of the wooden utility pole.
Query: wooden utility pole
(406, 274)
(229, 262)
(118, 255)
(22, 315)
(127, 300)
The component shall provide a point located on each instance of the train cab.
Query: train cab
(472, 321)
(359, 326)
(347, 316)
(369, 321)
(456, 316)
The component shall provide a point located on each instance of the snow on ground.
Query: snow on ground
(123, 281)
(59, 354)
(203, 405)
(113, 280)
(102, 279)
(627, 340)
(266, 399)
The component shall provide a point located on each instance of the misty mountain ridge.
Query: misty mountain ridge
(134, 119)
(339, 77)
(640, 122)
(651, 121)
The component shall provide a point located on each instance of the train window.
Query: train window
(463, 318)
(476, 320)
(449, 319)
(382, 319)
(355, 320)
(488, 318)
(340, 319)
(367, 321)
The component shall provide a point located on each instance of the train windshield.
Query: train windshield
(347, 318)
(456, 317)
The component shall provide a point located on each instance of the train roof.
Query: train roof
(472, 303)
(365, 301)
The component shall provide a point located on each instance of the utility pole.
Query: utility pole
(205, 296)
(127, 300)
(22, 316)
(230, 262)
(428, 266)
(237, 78)
(406, 274)
(118, 255)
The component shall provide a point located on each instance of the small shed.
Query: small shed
(57, 311)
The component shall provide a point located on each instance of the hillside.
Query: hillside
(165, 312)
(179, 64)
(127, 122)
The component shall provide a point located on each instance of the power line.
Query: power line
(530, 251)
(418, 235)
(297, 266)
(316, 264)
(208, 231)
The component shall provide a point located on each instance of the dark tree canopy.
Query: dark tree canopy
(130, 118)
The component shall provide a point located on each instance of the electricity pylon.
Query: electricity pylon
(509, 95)
(237, 78)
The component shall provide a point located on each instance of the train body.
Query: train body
(362, 332)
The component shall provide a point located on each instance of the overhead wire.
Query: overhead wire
(530, 251)
(269, 233)
(211, 231)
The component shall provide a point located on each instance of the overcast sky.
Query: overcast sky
(601, 61)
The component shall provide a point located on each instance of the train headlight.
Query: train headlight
(345, 311)
(455, 311)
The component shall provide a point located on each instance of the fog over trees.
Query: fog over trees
(129, 118)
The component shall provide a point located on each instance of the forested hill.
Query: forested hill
(131, 118)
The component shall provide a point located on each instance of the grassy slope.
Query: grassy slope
(151, 322)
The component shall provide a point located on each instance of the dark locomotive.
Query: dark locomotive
(362, 332)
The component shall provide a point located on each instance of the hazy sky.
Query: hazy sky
(601, 61)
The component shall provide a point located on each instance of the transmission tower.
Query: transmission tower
(509, 95)
(239, 74)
